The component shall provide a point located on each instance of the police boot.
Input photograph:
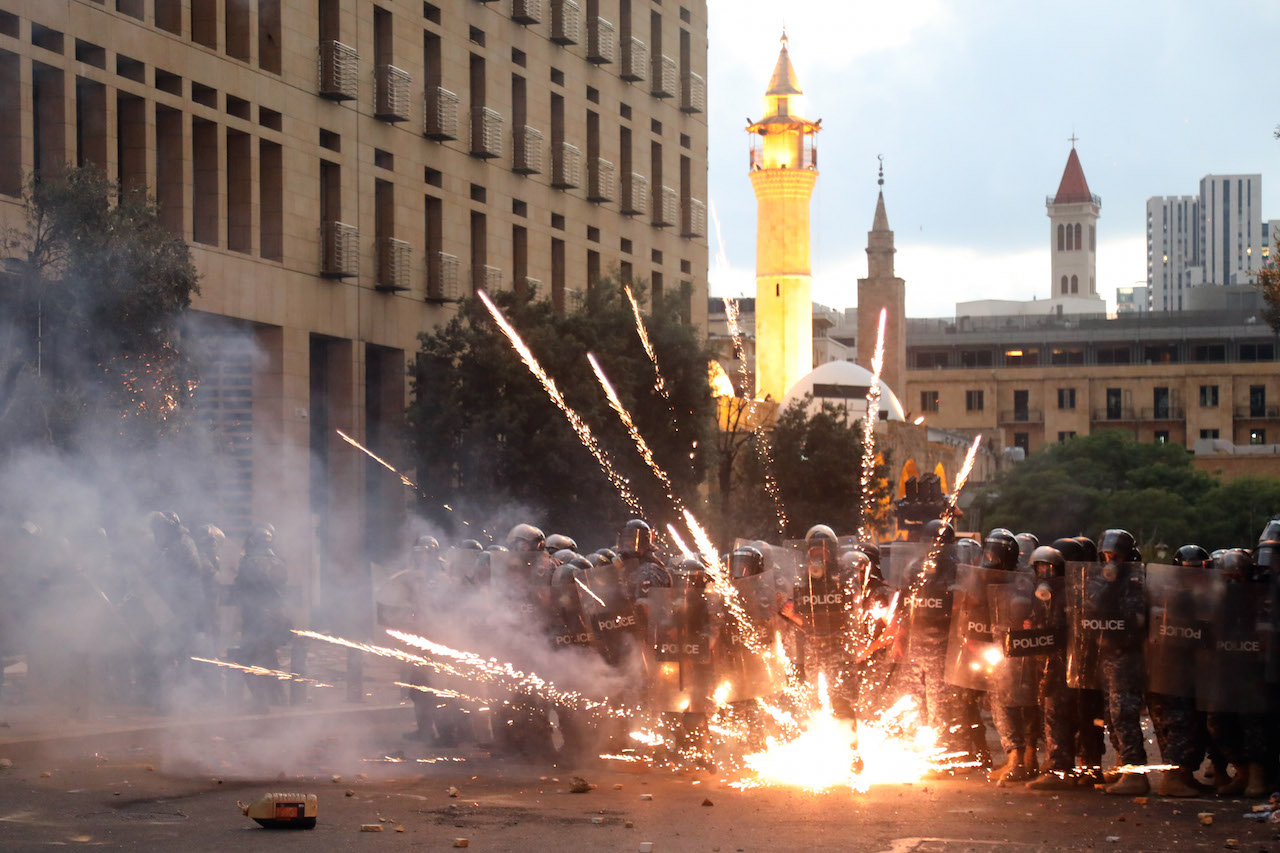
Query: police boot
(1179, 783)
(1013, 762)
(1130, 785)
(1234, 786)
(1052, 780)
(1257, 781)
(1024, 769)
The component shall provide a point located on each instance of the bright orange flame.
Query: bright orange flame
(721, 384)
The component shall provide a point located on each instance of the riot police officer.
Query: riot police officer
(818, 609)
(642, 566)
(1014, 723)
(929, 626)
(259, 590)
(1056, 699)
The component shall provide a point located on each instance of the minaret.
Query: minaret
(1073, 232)
(784, 169)
(882, 289)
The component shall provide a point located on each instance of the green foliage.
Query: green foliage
(817, 464)
(488, 441)
(1090, 483)
(95, 295)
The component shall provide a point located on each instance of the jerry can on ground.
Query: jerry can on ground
(283, 811)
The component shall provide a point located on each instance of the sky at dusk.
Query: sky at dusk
(971, 102)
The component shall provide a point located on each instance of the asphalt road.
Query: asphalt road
(177, 791)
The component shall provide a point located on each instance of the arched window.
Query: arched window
(1075, 282)
(1064, 284)
(1071, 243)
(1079, 245)
(1093, 238)
(1061, 238)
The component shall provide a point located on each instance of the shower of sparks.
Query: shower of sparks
(866, 529)
(935, 547)
(685, 553)
(579, 426)
(506, 675)
(376, 458)
(641, 444)
(443, 693)
(588, 591)
(731, 317)
(765, 450)
(648, 347)
(278, 674)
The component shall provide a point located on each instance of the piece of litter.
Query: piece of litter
(1113, 838)
(1206, 818)
(646, 847)
(151, 768)
(578, 785)
(371, 827)
(350, 793)
(542, 778)
(630, 824)
(399, 829)
(597, 819)
(217, 780)
(336, 779)
(646, 796)
(707, 803)
(461, 842)
(1142, 801)
(617, 786)
(45, 774)
(453, 792)
(1232, 843)
(6, 763)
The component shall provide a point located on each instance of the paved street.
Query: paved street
(175, 788)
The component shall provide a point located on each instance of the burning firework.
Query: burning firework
(262, 670)
(869, 420)
(648, 347)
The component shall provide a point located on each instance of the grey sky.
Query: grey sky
(971, 104)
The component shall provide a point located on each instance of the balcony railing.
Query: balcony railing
(486, 132)
(1022, 416)
(340, 250)
(394, 259)
(665, 74)
(390, 93)
(666, 207)
(339, 65)
(1097, 199)
(808, 155)
(566, 22)
(602, 42)
(1256, 412)
(566, 167)
(527, 286)
(635, 60)
(635, 194)
(442, 277)
(694, 220)
(1123, 413)
(526, 151)
(693, 93)
(526, 11)
(486, 278)
(440, 114)
(600, 182)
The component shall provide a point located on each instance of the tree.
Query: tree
(1109, 479)
(817, 465)
(488, 441)
(95, 294)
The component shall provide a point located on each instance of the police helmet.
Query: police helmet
(469, 545)
(872, 550)
(564, 555)
(210, 533)
(746, 562)
(1236, 564)
(938, 531)
(526, 537)
(822, 538)
(427, 544)
(1070, 549)
(1027, 542)
(559, 542)
(694, 572)
(1048, 562)
(1191, 555)
(968, 551)
(856, 564)
(1089, 550)
(164, 524)
(1000, 550)
(608, 553)
(1270, 533)
(636, 537)
(259, 539)
(1118, 544)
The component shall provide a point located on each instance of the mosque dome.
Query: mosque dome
(843, 382)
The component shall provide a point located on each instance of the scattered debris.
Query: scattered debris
(597, 819)
(1232, 843)
(578, 785)
(371, 827)
(151, 768)
(336, 778)
(542, 778)
(461, 842)
(1112, 839)
(6, 763)
(1142, 801)
(45, 774)
(707, 802)
(646, 797)
(1206, 818)
(646, 847)
(399, 828)
(630, 824)
(362, 777)
(617, 786)
(350, 793)
(283, 811)
(217, 780)
(451, 791)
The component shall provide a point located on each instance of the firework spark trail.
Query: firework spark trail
(935, 547)
(507, 675)
(587, 589)
(765, 451)
(443, 693)
(731, 317)
(580, 427)
(641, 444)
(676, 538)
(648, 347)
(262, 670)
(403, 478)
(869, 420)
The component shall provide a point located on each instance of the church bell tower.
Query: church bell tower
(784, 169)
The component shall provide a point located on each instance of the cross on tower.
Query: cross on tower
(1073, 139)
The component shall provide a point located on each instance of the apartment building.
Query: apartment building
(345, 171)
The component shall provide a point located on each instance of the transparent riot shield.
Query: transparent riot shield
(791, 559)
(1232, 675)
(1177, 627)
(1273, 644)
(680, 666)
(613, 618)
(901, 563)
(1028, 623)
(1106, 608)
(750, 674)
(972, 653)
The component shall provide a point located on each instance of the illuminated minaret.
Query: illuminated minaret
(784, 169)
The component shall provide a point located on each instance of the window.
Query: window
(1078, 243)
(1209, 352)
(1021, 398)
(1070, 242)
(1208, 433)
(1257, 436)
(973, 401)
(1114, 355)
(1114, 404)
(1061, 237)
(1257, 352)
(928, 401)
(1162, 436)
(1066, 398)
(975, 358)
(1160, 354)
(1075, 281)
(1208, 396)
(1067, 355)
(1063, 436)
(1160, 402)
(1021, 357)
(1064, 283)
(1023, 440)
(1257, 401)
(926, 360)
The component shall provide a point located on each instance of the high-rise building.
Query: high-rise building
(345, 171)
(784, 170)
(1173, 250)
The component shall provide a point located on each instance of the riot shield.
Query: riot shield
(614, 619)
(791, 560)
(681, 669)
(1028, 622)
(1233, 667)
(971, 650)
(751, 675)
(521, 581)
(901, 563)
(1273, 646)
(1106, 608)
(1177, 627)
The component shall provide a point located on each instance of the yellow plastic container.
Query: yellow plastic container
(283, 811)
